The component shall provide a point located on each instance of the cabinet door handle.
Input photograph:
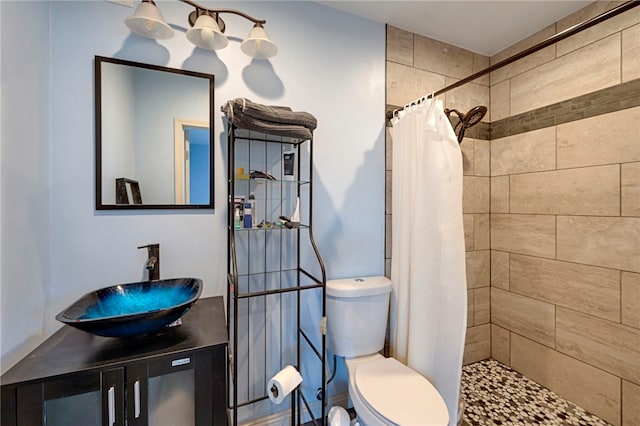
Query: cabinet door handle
(112, 405)
(136, 398)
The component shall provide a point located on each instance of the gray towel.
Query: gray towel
(276, 120)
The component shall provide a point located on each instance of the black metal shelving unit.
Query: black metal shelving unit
(274, 272)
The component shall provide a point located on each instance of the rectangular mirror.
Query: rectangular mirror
(154, 138)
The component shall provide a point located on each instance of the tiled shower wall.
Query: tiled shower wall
(417, 66)
(564, 167)
(565, 214)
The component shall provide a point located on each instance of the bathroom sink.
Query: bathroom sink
(132, 309)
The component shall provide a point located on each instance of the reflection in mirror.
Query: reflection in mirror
(152, 128)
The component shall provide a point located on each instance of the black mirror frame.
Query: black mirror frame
(98, 136)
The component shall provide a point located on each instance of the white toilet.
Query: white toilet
(383, 391)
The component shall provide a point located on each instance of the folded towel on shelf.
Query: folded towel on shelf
(276, 120)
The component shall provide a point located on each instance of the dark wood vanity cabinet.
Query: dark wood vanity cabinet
(177, 376)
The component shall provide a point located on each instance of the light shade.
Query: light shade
(206, 34)
(258, 45)
(148, 21)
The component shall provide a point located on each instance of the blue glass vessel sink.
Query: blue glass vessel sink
(132, 309)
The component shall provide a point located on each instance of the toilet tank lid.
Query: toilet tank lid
(358, 287)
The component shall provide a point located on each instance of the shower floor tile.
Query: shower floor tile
(498, 395)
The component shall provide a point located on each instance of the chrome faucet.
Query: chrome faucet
(153, 261)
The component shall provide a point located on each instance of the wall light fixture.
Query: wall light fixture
(207, 29)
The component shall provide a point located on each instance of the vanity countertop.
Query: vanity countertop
(70, 350)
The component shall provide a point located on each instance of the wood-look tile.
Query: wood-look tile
(631, 299)
(585, 70)
(631, 53)
(405, 84)
(603, 139)
(500, 269)
(591, 191)
(481, 232)
(500, 194)
(469, 231)
(591, 388)
(597, 32)
(475, 194)
(584, 288)
(612, 242)
(630, 404)
(526, 152)
(523, 315)
(630, 187)
(481, 305)
(604, 344)
(477, 344)
(399, 46)
(442, 58)
(500, 344)
(524, 234)
(545, 55)
(501, 100)
(478, 268)
(481, 158)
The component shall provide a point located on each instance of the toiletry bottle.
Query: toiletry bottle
(236, 218)
(248, 221)
(254, 212)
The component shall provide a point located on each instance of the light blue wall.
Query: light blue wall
(330, 64)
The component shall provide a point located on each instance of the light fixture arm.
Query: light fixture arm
(218, 11)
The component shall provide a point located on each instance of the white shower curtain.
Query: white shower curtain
(429, 299)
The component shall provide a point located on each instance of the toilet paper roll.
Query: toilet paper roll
(283, 383)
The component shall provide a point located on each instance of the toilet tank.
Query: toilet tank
(357, 311)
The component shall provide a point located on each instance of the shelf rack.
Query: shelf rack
(274, 271)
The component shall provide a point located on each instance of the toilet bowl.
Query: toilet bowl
(383, 391)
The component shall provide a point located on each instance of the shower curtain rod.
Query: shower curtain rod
(548, 42)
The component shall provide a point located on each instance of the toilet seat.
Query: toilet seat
(398, 395)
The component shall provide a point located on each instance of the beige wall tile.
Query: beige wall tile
(603, 139)
(527, 63)
(481, 232)
(501, 100)
(399, 46)
(630, 181)
(501, 344)
(608, 345)
(584, 288)
(612, 242)
(466, 147)
(481, 157)
(631, 53)
(441, 58)
(388, 148)
(526, 152)
(388, 235)
(500, 194)
(481, 306)
(478, 344)
(475, 194)
(466, 97)
(591, 388)
(481, 62)
(631, 299)
(470, 308)
(523, 315)
(478, 268)
(583, 71)
(387, 268)
(469, 230)
(405, 84)
(591, 11)
(500, 269)
(604, 29)
(588, 191)
(388, 185)
(630, 404)
(524, 234)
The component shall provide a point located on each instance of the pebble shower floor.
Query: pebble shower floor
(498, 395)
